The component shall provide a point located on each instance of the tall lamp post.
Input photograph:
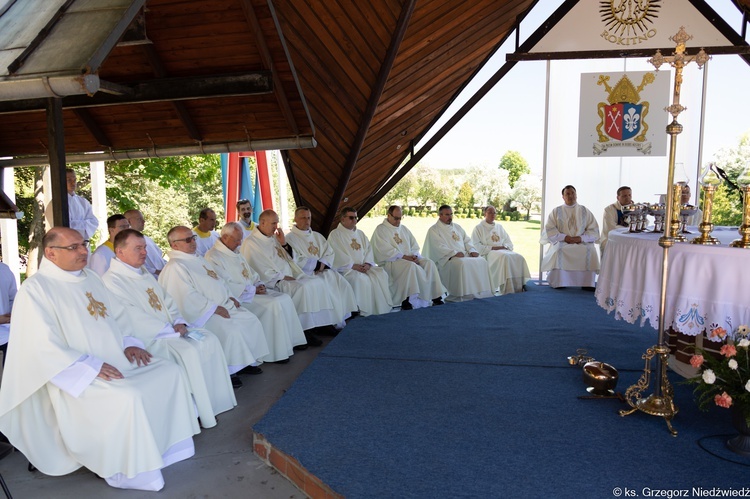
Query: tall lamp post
(661, 401)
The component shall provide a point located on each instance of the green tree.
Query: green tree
(727, 207)
(527, 193)
(516, 166)
(465, 197)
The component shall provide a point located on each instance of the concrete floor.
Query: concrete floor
(223, 466)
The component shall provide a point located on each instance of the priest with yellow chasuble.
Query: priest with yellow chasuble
(571, 231)
(274, 309)
(77, 390)
(354, 259)
(508, 270)
(414, 280)
(463, 272)
(205, 300)
(158, 324)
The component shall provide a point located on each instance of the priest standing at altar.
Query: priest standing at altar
(571, 231)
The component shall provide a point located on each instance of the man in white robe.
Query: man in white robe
(463, 272)
(414, 280)
(268, 253)
(354, 259)
(571, 231)
(154, 256)
(613, 216)
(205, 300)
(80, 215)
(508, 269)
(314, 256)
(245, 211)
(158, 324)
(274, 309)
(8, 292)
(99, 261)
(207, 236)
(77, 390)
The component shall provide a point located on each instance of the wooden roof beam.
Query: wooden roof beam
(91, 126)
(372, 104)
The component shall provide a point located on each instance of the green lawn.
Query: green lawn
(525, 235)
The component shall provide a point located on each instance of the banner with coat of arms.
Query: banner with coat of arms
(622, 114)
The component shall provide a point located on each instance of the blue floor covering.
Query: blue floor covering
(476, 400)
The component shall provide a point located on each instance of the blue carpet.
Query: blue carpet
(476, 400)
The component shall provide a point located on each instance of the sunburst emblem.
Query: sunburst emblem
(153, 300)
(312, 249)
(629, 17)
(454, 236)
(211, 273)
(397, 239)
(96, 308)
(355, 245)
(495, 238)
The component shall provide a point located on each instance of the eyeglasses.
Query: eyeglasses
(73, 247)
(187, 239)
(352, 217)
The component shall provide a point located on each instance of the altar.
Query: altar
(707, 286)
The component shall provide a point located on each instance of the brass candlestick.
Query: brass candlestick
(675, 227)
(744, 182)
(709, 181)
(661, 402)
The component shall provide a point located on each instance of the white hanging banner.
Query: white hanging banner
(618, 111)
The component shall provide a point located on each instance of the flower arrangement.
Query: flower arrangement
(724, 380)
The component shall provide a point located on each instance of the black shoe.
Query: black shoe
(438, 301)
(329, 330)
(284, 361)
(236, 381)
(405, 305)
(300, 347)
(250, 370)
(312, 340)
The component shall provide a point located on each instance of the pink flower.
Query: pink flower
(696, 361)
(728, 350)
(723, 400)
(719, 332)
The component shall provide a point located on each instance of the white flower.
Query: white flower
(744, 342)
(732, 364)
(747, 385)
(709, 377)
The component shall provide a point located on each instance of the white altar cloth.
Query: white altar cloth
(707, 286)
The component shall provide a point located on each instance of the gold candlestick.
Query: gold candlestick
(675, 227)
(744, 182)
(661, 402)
(709, 182)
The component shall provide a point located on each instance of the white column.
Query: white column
(9, 228)
(283, 205)
(99, 197)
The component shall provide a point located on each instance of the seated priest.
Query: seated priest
(571, 231)
(77, 390)
(354, 259)
(204, 300)
(99, 261)
(613, 216)
(508, 269)
(158, 324)
(274, 309)
(314, 256)
(463, 272)
(154, 255)
(414, 280)
(269, 254)
(206, 236)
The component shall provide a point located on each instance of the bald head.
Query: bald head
(268, 222)
(65, 248)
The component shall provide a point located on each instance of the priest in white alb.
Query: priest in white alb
(414, 280)
(204, 300)
(274, 309)
(206, 235)
(508, 269)
(80, 215)
(77, 390)
(314, 256)
(354, 259)
(100, 258)
(571, 231)
(463, 272)
(154, 255)
(158, 324)
(268, 253)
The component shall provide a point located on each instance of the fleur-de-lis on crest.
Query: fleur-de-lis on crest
(397, 239)
(495, 238)
(454, 236)
(153, 300)
(355, 245)
(312, 249)
(96, 308)
(211, 273)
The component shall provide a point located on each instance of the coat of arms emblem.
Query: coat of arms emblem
(96, 308)
(623, 117)
(397, 238)
(355, 245)
(153, 300)
(313, 249)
